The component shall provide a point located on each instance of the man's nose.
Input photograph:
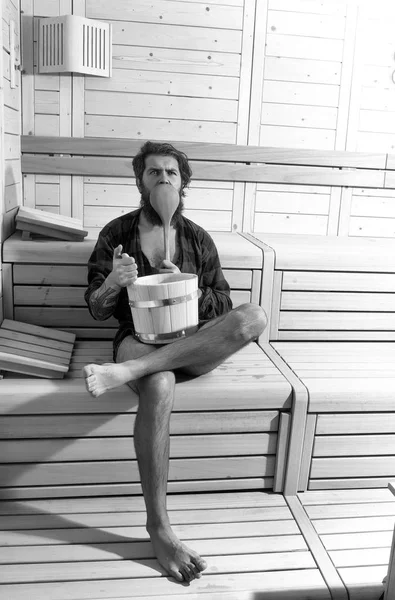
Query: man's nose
(163, 177)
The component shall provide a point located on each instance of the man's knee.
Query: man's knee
(251, 321)
(157, 388)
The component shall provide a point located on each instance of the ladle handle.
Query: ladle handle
(166, 228)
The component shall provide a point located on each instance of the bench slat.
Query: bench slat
(85, 535)
(113, 425)
(342, 282)
(43, 345)
(31, 329)
(356, 466)
(122, 448)
(330, 301)
(207, 151)
(14, 350)
(86, 571)
(135, 550)
(136, 503)
(295, 582)
(115, 489)
(133, 519)
(235, 251)
(360, 321)
(354, 445)
(75, 275)
(127, 471)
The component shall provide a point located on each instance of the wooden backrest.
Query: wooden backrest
(329, 288)
(45, 281)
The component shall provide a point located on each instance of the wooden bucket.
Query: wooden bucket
(164, 307)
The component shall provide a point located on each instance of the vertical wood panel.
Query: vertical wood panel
(257, 72)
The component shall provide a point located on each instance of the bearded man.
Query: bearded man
(133, 245)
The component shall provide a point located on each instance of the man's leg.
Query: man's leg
(151, 439)
(196, 355)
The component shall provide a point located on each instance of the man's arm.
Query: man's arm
(102, 299)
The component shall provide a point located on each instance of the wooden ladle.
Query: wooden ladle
(164, 198)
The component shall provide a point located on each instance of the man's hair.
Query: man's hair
(163, 149)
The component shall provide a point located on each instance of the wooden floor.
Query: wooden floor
(355, 527)
(98, 548)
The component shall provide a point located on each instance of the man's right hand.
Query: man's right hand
(124, 268)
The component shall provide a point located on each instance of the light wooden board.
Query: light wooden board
(234, 251)
(123, 449)
(216, 171)
(289, 581)
(205, 151)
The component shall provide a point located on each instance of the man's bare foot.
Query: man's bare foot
(178, 560)
(101, 378)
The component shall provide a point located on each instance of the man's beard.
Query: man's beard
(150, 213)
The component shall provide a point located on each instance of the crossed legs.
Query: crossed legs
(150, 372)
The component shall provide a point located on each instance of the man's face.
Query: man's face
(159, 170)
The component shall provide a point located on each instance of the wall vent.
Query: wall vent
(74, 44)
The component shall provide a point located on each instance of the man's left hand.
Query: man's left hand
(168, 267)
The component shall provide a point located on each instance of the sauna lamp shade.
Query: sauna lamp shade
(74, 44)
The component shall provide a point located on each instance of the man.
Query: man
(133, 245)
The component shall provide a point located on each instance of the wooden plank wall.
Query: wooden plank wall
(10, 153)
(280, 73)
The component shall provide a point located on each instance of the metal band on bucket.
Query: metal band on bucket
(165, 338)
(164, 301)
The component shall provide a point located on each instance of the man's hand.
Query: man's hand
(124, 268)
(168, 267)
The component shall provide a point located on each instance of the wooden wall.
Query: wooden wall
(10, 93)
(281, 73)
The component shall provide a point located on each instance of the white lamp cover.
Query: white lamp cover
(74, 44)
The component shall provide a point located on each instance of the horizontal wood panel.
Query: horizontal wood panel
(346, 321)
(205, 151)
(127, 471)
(132, 81)
(342, 301)
(52, 275)
(168, 12)
(60, 317)
(165, 107)
(363, 336)
(177, 36)
(331, 253)
(371, 423)
(137, 518)
(82, 571)
(352, 445)
(92, 491)
(233, 587)
(123, 449)
(119, 167)
(366, 466)
(49, 426)
(210, 501)
(173, 61)
(45, 296)
(91, 536)
(235, 251)
(99, 126)
(78, 552)
(338, 282)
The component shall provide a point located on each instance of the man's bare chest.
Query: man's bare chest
(153, 246)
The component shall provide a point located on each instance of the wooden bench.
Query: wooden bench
(332, 321)
(69, 480)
